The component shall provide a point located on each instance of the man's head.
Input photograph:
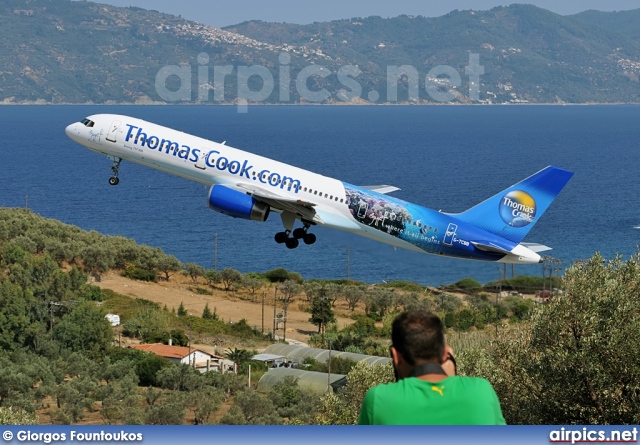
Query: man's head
(417, 337)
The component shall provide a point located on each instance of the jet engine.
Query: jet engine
(237, 204)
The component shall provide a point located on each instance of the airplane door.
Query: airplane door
(112, 136)
(451, 232)
(202, 161)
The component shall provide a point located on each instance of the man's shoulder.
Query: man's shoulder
(465, 382)
(471, 382)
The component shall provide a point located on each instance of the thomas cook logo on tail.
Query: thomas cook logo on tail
(517, 208)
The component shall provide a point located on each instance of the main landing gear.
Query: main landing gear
(301, 233)
(114, 180)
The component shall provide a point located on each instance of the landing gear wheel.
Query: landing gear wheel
(292, 243)
(299, 233)
(114, 168)
(309, 238)
(281, 237)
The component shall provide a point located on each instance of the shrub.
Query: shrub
(279, 275)
(409, 286)
(136, 273)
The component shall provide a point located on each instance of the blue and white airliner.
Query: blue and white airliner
(248, 186)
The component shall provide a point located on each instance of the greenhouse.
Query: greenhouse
(299, 353)
(315, 382)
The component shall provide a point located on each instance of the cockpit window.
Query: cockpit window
(87, 122)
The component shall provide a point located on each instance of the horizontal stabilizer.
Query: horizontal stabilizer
(384, 189)
(490, 248)
(535, 247)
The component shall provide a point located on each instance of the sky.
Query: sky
(221, 13)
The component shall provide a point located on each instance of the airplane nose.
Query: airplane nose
(72, 131)
(69, 130)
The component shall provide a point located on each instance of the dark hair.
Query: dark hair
(418, 335)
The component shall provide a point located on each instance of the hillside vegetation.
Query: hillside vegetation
(573, 360)
(63, 51)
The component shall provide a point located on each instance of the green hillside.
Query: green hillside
(62, 51)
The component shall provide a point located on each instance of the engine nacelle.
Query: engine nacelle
(237, 204)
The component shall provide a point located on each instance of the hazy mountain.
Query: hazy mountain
(58, 51)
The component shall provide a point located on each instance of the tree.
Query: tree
(293, 403)
(252, 283)
(577, 360)
(207, 314)
(229, 277)
(17, 416)
(168, 265)
(85, 329)
(97, 259)
(279, 275)
(344, 408)
(169, 411)
(147, 369)
(289, 289)
(353, 295)
(212, 277)
(238, 356)
(182, 312)
(321, 313)
(180, 377)
(204, 402)
(195, 271)
(257, 408)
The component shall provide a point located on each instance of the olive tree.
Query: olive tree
(577, 360)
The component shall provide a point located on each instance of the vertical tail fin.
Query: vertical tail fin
(513, 212)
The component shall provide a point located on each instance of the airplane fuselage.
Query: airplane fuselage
(329, 202)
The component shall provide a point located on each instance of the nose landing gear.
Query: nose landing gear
(114, 180)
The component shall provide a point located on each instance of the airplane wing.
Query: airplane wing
(305, 209)
(384, 189)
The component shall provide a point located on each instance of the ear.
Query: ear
(447, 350)
(396, 356)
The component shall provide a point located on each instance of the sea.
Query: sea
(444, 157)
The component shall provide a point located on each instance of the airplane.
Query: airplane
(244, 185)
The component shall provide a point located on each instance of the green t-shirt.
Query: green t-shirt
(453, 401)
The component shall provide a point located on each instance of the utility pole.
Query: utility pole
(544, 273)
(348, 262)
(263, 293)
(322, 326)
(215, 251)
(275, 300)
(329, 366)
(285, 303)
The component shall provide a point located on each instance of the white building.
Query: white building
(200, 360)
